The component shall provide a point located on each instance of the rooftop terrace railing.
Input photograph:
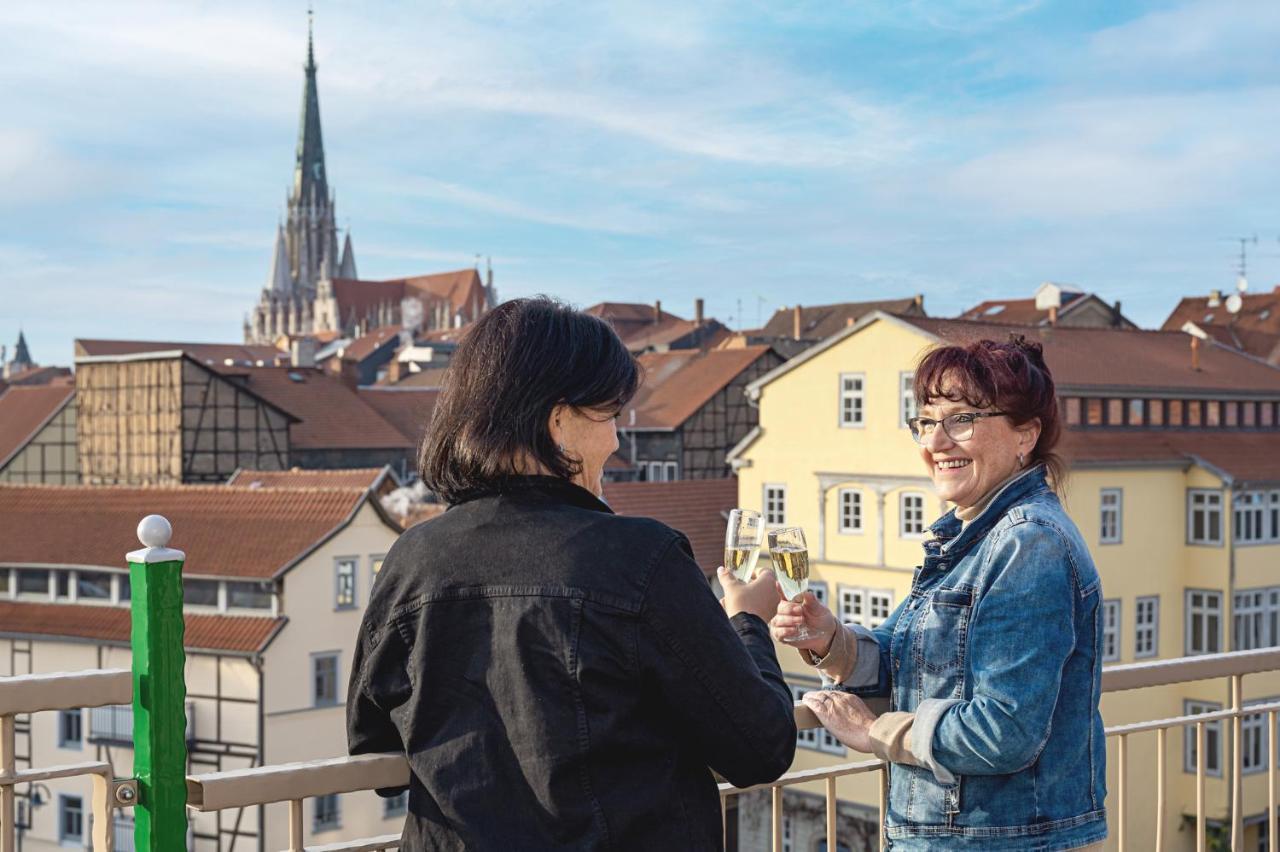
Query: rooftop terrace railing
(160, 721)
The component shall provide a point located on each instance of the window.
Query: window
(200, 592)
(911, 511)
(815, 739)
(1073, 411)
(324, 679)
(1231, 416)
(1273, 518)
(1249, 627)
(34, 582)
(328, 813)
(62, 585)
(375, 564)
(1093, 412)
(70, 729)
(1112, 501)
(788, 838)
(850, 510)
(1249, 414)
(1204, 516)
(1115, 412)
(1248, 514)
(1195, 409)
(1146, 621)
(124, 588)
(1136, 410)
(93, 585)
(1212, 739)
(659, 471)
(863, 606)
(775, 504)
(1212, 413)
(880, 605)
(344, 596)
(5, 574)
(1110, 631)
(1155, 412)
(70, 820)
(851, 400)
(249, 595)
(819, 589)
(1253, 741)
(1176, 412)
(907, 382)
(1204, 622)
(396, 806)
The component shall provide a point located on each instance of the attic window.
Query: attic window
(993, 310)
(296, 377)
(1266, 312)
(1208, 317)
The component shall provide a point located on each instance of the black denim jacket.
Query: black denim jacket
(561, 677)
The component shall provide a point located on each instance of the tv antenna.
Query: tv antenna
(1242, 282)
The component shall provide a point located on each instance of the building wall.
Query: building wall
(720, 424)
(50, 457)
(225, 429)
(129, 422)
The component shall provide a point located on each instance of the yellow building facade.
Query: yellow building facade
(1186, 549)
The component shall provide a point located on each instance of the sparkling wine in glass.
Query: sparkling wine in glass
(790, 557)
(742, 540)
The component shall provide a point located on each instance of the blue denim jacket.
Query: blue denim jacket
(998, 653)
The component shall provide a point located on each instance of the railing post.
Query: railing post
(159, 690)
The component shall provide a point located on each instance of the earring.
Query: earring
(1021, 460)
(560, 447)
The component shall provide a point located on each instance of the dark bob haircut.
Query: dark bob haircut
(1011, 377)
(515, 365)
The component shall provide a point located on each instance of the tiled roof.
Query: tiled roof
(40, 376)
(409, 408)
(226, 531)
(332, 415)
(214, 354)
(432, 378)
(226, 633)
(362, 347)
(359, 477)
(818, 322)
(1260, 344)
(1012, 311)
(669, 332)
(678, 383)
(697, 507)
(461, 288)
(630, 319)
(1246, 456)
(1123, 358)
(1260, 312)
(24, 410)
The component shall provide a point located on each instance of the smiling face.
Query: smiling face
(589, 436)
(963, 472)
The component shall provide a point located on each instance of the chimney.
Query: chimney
(1117, 320)
(1053, 315)
(393, 370)
(919, 302)
(302, 352)
(795, 322)
(349, 374)
(1195, 353)
(657, 311)
(697, 313)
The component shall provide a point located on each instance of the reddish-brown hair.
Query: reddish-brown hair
(1010, 377)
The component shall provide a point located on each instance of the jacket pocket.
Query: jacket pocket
(943, 633)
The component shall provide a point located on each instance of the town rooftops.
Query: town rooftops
(1258, 312)
(231, 634)
(408, 408)
(1243, 458)
(818, 322)
(214, 354)
(699, 508)
(1034, 311)
(679, 382)
(39, 376)
(360, 477)
(226, 531)
(24, 411)
(364, 346)
(460, 288)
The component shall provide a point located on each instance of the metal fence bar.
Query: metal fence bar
(295, 826)
(8, 810)
(1162, 746)
(1271, 776)
(1122, 752)
(1200, 762)
(884, 805)
(777, 818)
(1237, 766)
(832, 839)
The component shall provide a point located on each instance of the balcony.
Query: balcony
(113, 725)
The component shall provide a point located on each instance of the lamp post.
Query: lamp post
(34, 800)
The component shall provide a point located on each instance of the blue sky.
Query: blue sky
(766, 151)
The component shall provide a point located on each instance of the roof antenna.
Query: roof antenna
(1242, 282)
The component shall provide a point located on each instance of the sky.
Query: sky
(755, 153)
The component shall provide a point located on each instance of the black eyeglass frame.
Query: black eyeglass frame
(918, 435)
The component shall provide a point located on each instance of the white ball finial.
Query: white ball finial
(154, 531)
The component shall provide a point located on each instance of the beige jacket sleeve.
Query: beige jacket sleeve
(841, 657)
(891, 738)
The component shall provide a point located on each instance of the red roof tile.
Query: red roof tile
(818, 322)
(207, 353)
(679, 382)
(629, 318)
(1245, 456)
(360, 477)
(332, 415)
(432, 378)
(227, 633)
(409, 408)
(461, 288)
(40, 376)
(1260, 344)
(1123, 358)
(363, 347)
(226, 531)
(697, 507)
(24, 411)
(1259, 312)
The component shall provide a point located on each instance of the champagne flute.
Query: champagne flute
(790, 557)
(742, 540)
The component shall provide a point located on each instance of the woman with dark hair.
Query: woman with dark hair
(559, 677)
(993, 664)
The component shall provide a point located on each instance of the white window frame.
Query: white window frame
(394, 807)
(1273, 515)
(879, 607)
(1114, 509)
(1250, 626)
(851, 604)
(1111, 632)
(340, 600)
(1211, 730)
(1205, 610)
(852, 411)
(63, 741)
(316, 658)
(907, 407)
(814, 739)
(66, 838)
(819, 589)
(903, 497)
(1249, 518)
(1254, 725)
(1146, 627)
(1209, 502)
(771, 518)
(376, 561)
(328, 825)
(849, 503)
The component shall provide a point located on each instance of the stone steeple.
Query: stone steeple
(347, 269)
(310, 182)
(21, 355)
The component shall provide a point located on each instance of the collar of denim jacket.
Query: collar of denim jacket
(961, 535)
(540, 488)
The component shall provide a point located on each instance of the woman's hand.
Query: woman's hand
(759, 597)
(846, 716)
(810, 613)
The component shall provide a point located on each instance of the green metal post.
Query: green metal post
(159, 691)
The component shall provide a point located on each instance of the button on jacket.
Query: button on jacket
(561, 677)
(997, 651)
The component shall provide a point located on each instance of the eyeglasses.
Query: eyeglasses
(959, 427)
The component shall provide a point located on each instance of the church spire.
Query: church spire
(21, 355)
(279, 280)
(309, 178)
(348, 267)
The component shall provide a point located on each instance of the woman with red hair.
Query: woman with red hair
(993, 665)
